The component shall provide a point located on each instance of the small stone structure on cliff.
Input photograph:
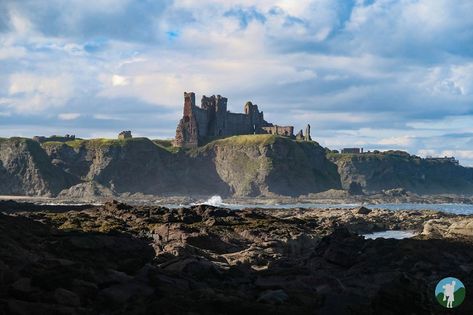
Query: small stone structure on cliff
(54, 138)
(352, 150)
(125, 135)
(212, 119)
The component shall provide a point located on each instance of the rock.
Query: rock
(355, 188)
(363, 210)
(116, 206)
(435, 228)
(273, 297)
(88, 189)
(340, 248)
(170, 218)
(66, 297)
(121, 293)
(18, 307)
(23, 285)
(396, 192)
(253, 261)
(462, 228)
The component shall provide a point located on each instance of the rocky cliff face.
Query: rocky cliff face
(268, 165)
(132, 165)
(26, 169)
(257, 165)
(237, 166)
(395, 169)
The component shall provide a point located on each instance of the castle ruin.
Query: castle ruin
(126, 134)
(212, 119)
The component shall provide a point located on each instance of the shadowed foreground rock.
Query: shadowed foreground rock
(119, 259)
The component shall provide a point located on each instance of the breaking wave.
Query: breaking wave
(215, 201)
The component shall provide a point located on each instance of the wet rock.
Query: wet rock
(23, 286)
(274, 261)
(273, 297)
(341, 248)
(116, 206)
(18, 307)
(121, 293)
(66, 297)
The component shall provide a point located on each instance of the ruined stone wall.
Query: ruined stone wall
(287, 131)
(238, 124)
(202, 117)
(221, 116)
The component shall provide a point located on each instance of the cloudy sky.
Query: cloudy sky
(379, 74)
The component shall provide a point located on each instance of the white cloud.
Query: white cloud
(20, 23)
(118, 80)
(68, 116)
(162, 81)
(7, 52)
(28, 92)
(107, 117)
(402, 141)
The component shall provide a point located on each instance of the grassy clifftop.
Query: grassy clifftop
(99, 142)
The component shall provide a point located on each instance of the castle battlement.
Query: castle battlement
(212, 119)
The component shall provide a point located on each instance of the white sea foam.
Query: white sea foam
(215, 201)
(395, 234)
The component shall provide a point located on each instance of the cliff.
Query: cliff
(119, 166)
(269, 165)
(259, 165)
(374, 172)
(251, 165)
(26, 169)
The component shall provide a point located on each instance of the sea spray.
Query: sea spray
(215, 201)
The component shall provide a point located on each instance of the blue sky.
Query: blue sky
(380, 74)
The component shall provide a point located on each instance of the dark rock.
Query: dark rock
(66, 297)
(23, 286)
(273, 297)
(121, 293)
(363, 210)
(355, 188)
(18, 307)
(274, 261)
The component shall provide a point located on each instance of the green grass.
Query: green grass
(163, 142)
(249, 140)
(52, 144)
(236, 141)
(103, 143)
(167, 145)
(367, 156)
(242, 140)
(94, 143)
(459, 297)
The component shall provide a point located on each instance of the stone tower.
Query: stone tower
(307, 133)
(187, 134)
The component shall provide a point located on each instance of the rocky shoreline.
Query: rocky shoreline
(122, 259)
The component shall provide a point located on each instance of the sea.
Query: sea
(455, 208)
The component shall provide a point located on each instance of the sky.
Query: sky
(377, 74)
